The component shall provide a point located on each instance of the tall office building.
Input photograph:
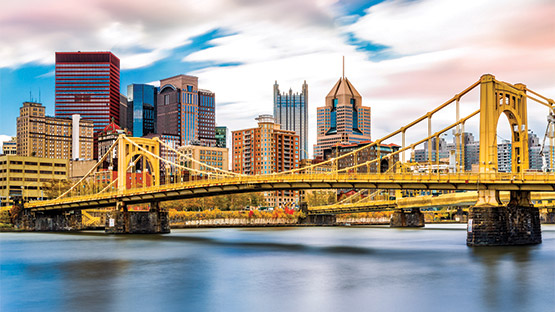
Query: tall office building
(264, 150)
(87, 83)
(141, 109)
(53, 137)
(291, 112)
(206, 117)
(123, 123)
(221, 136)
(184, 110)
(343, 120)
(177, 111)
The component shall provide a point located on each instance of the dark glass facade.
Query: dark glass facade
(141, 107)
(221, 137)
(87, 83)
(206, 117)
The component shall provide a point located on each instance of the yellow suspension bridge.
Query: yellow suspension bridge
(496, 98)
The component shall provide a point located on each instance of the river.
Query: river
(362, 268)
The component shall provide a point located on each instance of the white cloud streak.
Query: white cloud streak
(440, 47)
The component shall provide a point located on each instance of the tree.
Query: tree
(320, 198)
(54, 188)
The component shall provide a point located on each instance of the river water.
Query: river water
(274, 269)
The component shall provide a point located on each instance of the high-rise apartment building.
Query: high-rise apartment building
(87, 83)
(221, 136)
(343, 119)
(264, 150)
(291, 112)
(141, 109)
(53, 137)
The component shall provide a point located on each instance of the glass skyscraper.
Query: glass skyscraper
(141, 109)
(206, 117)
(87, 83)
(291, 113)
(221, 136)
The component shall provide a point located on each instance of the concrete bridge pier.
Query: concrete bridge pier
(123, 221)
(400, 218)
(492, 224)
(49, 221)
(548, 217)
(320, 219)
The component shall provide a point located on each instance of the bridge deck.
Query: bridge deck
(243, 184)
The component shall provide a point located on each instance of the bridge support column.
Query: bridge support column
(321, 219)
(123, 221)
(49, 221)
(400, 218)
(548, 217)
(518, 223)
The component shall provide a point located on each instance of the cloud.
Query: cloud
(427, 50)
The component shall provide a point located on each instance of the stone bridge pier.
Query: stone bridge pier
(123, 221)
(400, 218)
(492, 224)
(47, 221)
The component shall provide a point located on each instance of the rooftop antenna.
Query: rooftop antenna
(39, 95)
(343, 66)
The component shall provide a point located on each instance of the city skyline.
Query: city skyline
(394, 53)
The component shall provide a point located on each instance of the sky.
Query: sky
(405, 57)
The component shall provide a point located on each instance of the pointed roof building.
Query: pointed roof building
(343, 119)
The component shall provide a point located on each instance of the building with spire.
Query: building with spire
(291, 113)
(343, 120)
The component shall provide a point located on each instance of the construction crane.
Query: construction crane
(549, 132)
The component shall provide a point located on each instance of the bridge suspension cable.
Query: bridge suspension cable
(388, 136)
(227, 174)
(461, 121)
(90, 171)
(196, 161)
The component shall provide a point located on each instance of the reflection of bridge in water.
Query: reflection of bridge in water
(490, 221)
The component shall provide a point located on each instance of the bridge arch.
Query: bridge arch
(498, 99)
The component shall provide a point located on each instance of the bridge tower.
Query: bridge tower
(122, 220)
(144, 148)
(490, 222)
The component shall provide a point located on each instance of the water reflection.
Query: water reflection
(293, 269)
(506, 276)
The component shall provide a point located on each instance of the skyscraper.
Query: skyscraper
(87, 83)
(184, 110)
(53, 137)
(206, 117)
(221, 136)
(343, 119)
(141, 109)
(291, 112)
(177, 111)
